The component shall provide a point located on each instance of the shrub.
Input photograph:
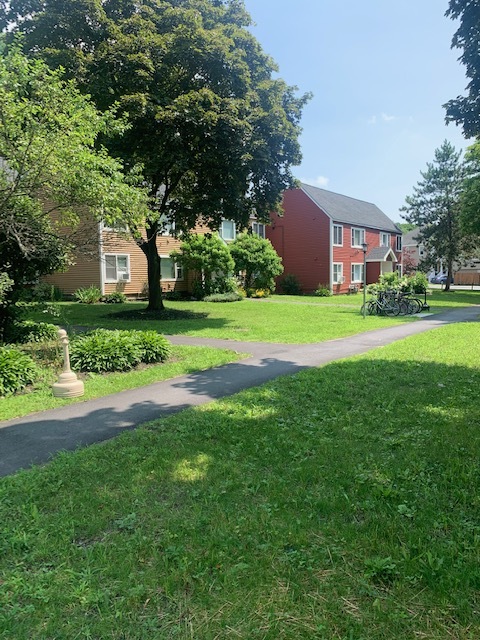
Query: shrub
(17, 370)
(223, 297)
(116, 297)
(30, 331)
(88, 295)
(323, 291)
(418, 282)
(44, 292)
(290, 285)
(103, 350)
(155, 347)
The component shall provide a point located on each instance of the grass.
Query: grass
(184, 360)
(340, 503)
(287, 319)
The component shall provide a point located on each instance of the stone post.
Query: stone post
(67, 385)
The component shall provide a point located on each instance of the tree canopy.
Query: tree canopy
(435, 208)
(213, 127)
(465, 110)
(256, 261)
(48, 130)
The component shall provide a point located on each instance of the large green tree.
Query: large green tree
(49, 164)
(214, 128)
(435, 208)
(465, 110)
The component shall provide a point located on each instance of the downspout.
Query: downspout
(100, 254)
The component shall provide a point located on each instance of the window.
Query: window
(399, 243)
(357, 272)
(358, 237)
(384, 239)
(117, 267)
(166, 227)
(170, 270)
(338, 235)
(227, 230)
(338, 272)
(259, 229)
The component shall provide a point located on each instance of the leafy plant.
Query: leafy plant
(103, 350)
(88, 295)
(116, 297)
(17, 370)
(45, 292)
(224, 297)
(30, 331)
(323, 291)
(290, 285)
(155, 347)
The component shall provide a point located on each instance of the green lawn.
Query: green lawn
(288, 319)
(340, 503)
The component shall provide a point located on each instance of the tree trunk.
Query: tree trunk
(149, 248)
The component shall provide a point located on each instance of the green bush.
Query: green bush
(323, 291)
(155, 347)
(116, 297)
(44, 292)
(17, 370)
(103, 350)
(418, 282)
(223, 297)
(88, 295)
(290, 285)
(30, 331)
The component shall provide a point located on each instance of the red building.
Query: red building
(321, 238)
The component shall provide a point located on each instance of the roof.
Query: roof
(410, 238)
(380, 254)
(350, 210)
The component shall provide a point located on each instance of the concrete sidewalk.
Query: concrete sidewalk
(35, 438)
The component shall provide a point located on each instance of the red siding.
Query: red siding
(302, 238)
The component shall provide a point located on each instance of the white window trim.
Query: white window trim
(340, 278)
(220, 231)
(356, 264)
(255, 231)
(362, 239)
(117, 279)
(388, 237)
(178, 269)
(338, 226)
(398, 243)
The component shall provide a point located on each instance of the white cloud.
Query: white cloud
(386, 118)
(319, 181)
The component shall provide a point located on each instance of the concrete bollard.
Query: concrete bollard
(67, 385)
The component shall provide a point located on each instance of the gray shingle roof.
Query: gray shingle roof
(380, 254)
(350, 210)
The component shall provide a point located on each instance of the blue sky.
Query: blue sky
(380, 72)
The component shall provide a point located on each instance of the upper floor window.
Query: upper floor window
(117, 267)
(227, 230)
(338, 235)
(259, 229)
(166, 228)
(399, 243)
(358, 237)
(384, 239)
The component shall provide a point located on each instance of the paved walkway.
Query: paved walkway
(35, 438)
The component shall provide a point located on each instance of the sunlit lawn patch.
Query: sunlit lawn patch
(338, 503)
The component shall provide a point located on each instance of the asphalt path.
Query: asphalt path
(34, 439)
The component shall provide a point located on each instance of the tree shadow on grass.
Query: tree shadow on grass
(162, 314)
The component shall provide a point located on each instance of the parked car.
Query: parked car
(441, 279)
